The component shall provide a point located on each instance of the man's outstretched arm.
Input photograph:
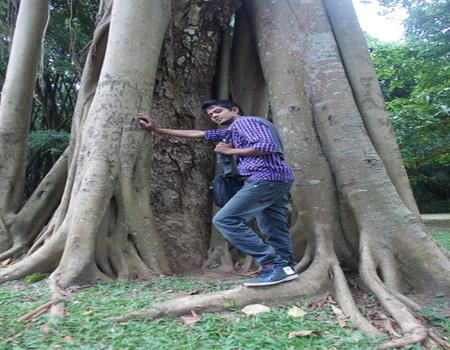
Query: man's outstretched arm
(150, 124)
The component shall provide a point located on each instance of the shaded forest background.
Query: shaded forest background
(414, 76)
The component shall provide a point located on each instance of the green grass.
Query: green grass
(89, 323)
(442, 237)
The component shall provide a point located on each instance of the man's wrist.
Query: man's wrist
(155, 129)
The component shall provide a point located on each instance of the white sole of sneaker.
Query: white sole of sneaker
(263, 284)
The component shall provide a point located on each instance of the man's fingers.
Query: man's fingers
(144, 116)
(224, 145)
(144, 123)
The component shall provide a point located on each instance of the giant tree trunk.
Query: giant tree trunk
(135, 204)
(114, 212)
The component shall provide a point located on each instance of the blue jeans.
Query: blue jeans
(267, 202)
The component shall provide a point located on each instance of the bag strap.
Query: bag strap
(227, 164)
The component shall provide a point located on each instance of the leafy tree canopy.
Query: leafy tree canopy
(415, 78)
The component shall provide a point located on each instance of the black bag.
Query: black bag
(225, 186)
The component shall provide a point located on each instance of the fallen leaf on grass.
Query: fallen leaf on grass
(35, 277)
(339, 315)
(191, 319)
(6, 262)
(303, 333)
(168, 291)
(254, 309)
(46, 328)
(68, 339)
(88, 313)
(318, 303)
(295, 311)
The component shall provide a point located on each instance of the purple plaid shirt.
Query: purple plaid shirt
(248, 132)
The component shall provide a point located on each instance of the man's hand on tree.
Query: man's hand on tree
(147, 122)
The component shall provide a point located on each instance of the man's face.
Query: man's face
(222, 115)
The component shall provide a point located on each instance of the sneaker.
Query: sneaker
(265, 270)
(275, 275)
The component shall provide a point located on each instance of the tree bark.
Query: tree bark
(182, 169)
(105, 227)
(360, 174)
(108, 172)
(368, 96)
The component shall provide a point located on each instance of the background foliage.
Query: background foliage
(69, 32)
(415, 78)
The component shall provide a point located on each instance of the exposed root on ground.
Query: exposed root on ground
(15, 250)
(438, 340)
(4, 228)
(219, 257)
(347, 303)
(399, 306)
(40, 310)
(306, 260)
(229, 299)
(58, 307)
(43, 260)
(413, 331)
(24, 226)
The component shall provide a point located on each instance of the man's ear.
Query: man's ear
(235, 110)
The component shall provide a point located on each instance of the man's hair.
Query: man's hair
(228, 104)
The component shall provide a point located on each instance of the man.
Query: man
(264, 195)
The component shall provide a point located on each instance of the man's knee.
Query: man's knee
(217, 220)
(226, 223)
(221, 219)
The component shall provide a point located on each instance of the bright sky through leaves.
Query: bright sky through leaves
(386, 28)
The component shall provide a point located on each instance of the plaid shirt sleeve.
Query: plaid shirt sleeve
(217, 135)
(257, 135)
